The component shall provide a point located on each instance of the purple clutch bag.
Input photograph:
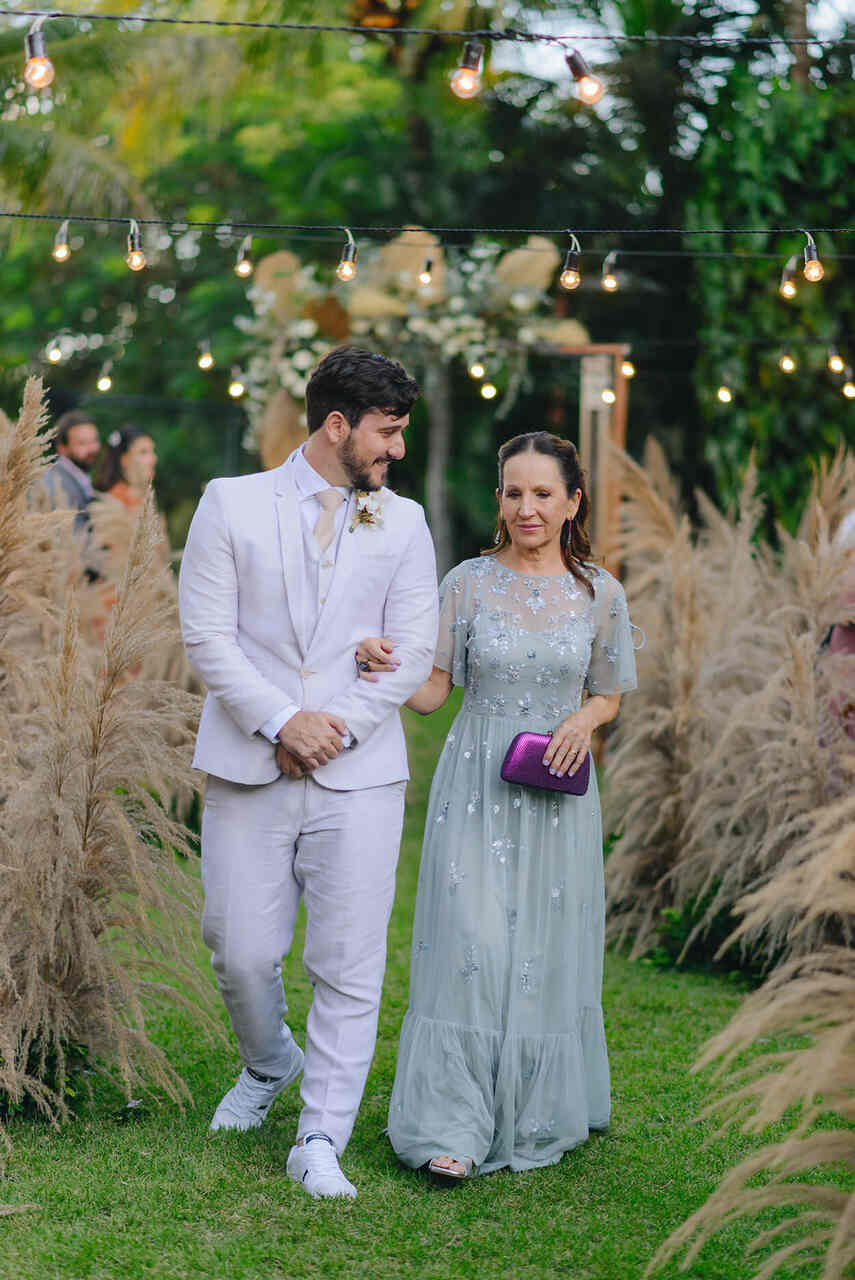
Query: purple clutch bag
(523, 764)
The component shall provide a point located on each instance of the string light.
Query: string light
(236, 387)
(571, 276)
(848, 387)
(835, 361)
(39, 70)
(627, 368)
(136, 257)
(54, 353)
(589, 88)
(105, 382)
(813, 268)
(206, 360)
(724, 393)
(61, 251)
(476, 369)
(346, 268)
(426, 273)
(786, 363)
(609, 280)
(608, 396)
(488, 391)
(243, 266)
(511, 34)
(465, 79)
(787, 287)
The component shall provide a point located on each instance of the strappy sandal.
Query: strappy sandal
(443, 1171)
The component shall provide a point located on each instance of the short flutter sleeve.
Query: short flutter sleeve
(454, 595)
(612, 665)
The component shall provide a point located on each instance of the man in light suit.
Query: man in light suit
(284, 572)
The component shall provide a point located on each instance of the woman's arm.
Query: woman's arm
(571, 741)
(432, 694)
(374, 658)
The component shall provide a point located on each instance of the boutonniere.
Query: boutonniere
(369, 510)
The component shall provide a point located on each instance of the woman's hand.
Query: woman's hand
(374, 657)
(569, 744)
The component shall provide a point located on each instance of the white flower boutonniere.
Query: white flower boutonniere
(369, 510)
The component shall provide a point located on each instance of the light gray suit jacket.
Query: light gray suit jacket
(240, 586)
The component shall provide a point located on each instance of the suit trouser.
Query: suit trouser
(263, 847)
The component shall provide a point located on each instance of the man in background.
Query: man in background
(67, 483)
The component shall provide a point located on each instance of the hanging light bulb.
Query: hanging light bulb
(627, 368)
(105, 382)
(590, 89)
(61, 251)
(346, 268)
(476, 369)
(236, 386)
(39, 70)
(608, 396)
(813, 268)
(488, 391)
(466, 77)
(571, 276)
(835, 361)
(206, 360)
(848, 387)
(54, 353)
(786, 363)
(787, 287)
(609, 280)
(243, 266)
(724, 393)
(426, 273)
(136, 257)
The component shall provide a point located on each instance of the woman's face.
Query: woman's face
(139, 462)
(534, 502)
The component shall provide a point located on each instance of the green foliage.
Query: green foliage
(774, 155)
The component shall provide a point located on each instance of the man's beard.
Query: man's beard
(85, 464)
(358, 473)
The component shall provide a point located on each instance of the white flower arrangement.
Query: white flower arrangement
(482, 313)
(369, 510)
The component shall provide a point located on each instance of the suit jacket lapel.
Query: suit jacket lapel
(291, 549)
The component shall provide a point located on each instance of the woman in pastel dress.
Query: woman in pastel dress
(502, 1060)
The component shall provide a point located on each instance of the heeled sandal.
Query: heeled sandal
(443, 1171)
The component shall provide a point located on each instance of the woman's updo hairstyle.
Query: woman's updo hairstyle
(575, 546)
(109, 472)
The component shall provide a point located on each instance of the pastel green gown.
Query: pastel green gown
(503, 1052)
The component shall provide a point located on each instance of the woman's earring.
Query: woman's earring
(498, 538)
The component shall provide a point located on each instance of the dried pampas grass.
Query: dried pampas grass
(734, 742)
(96, 910)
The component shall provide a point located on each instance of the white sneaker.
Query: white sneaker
(247, 1103)
(315, 1166)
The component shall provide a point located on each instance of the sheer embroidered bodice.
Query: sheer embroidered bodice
(527, 646)
(503, 1054)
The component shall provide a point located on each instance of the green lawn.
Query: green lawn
(159, 1197)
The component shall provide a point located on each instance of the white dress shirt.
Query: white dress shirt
(318, 566)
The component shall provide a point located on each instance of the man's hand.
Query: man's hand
(313, 737)
(289, 764)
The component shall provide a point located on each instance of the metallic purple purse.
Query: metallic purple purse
(523, 764)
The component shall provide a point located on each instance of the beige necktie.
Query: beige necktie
(330, 500)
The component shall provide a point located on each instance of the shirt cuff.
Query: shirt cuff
(270, 728)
